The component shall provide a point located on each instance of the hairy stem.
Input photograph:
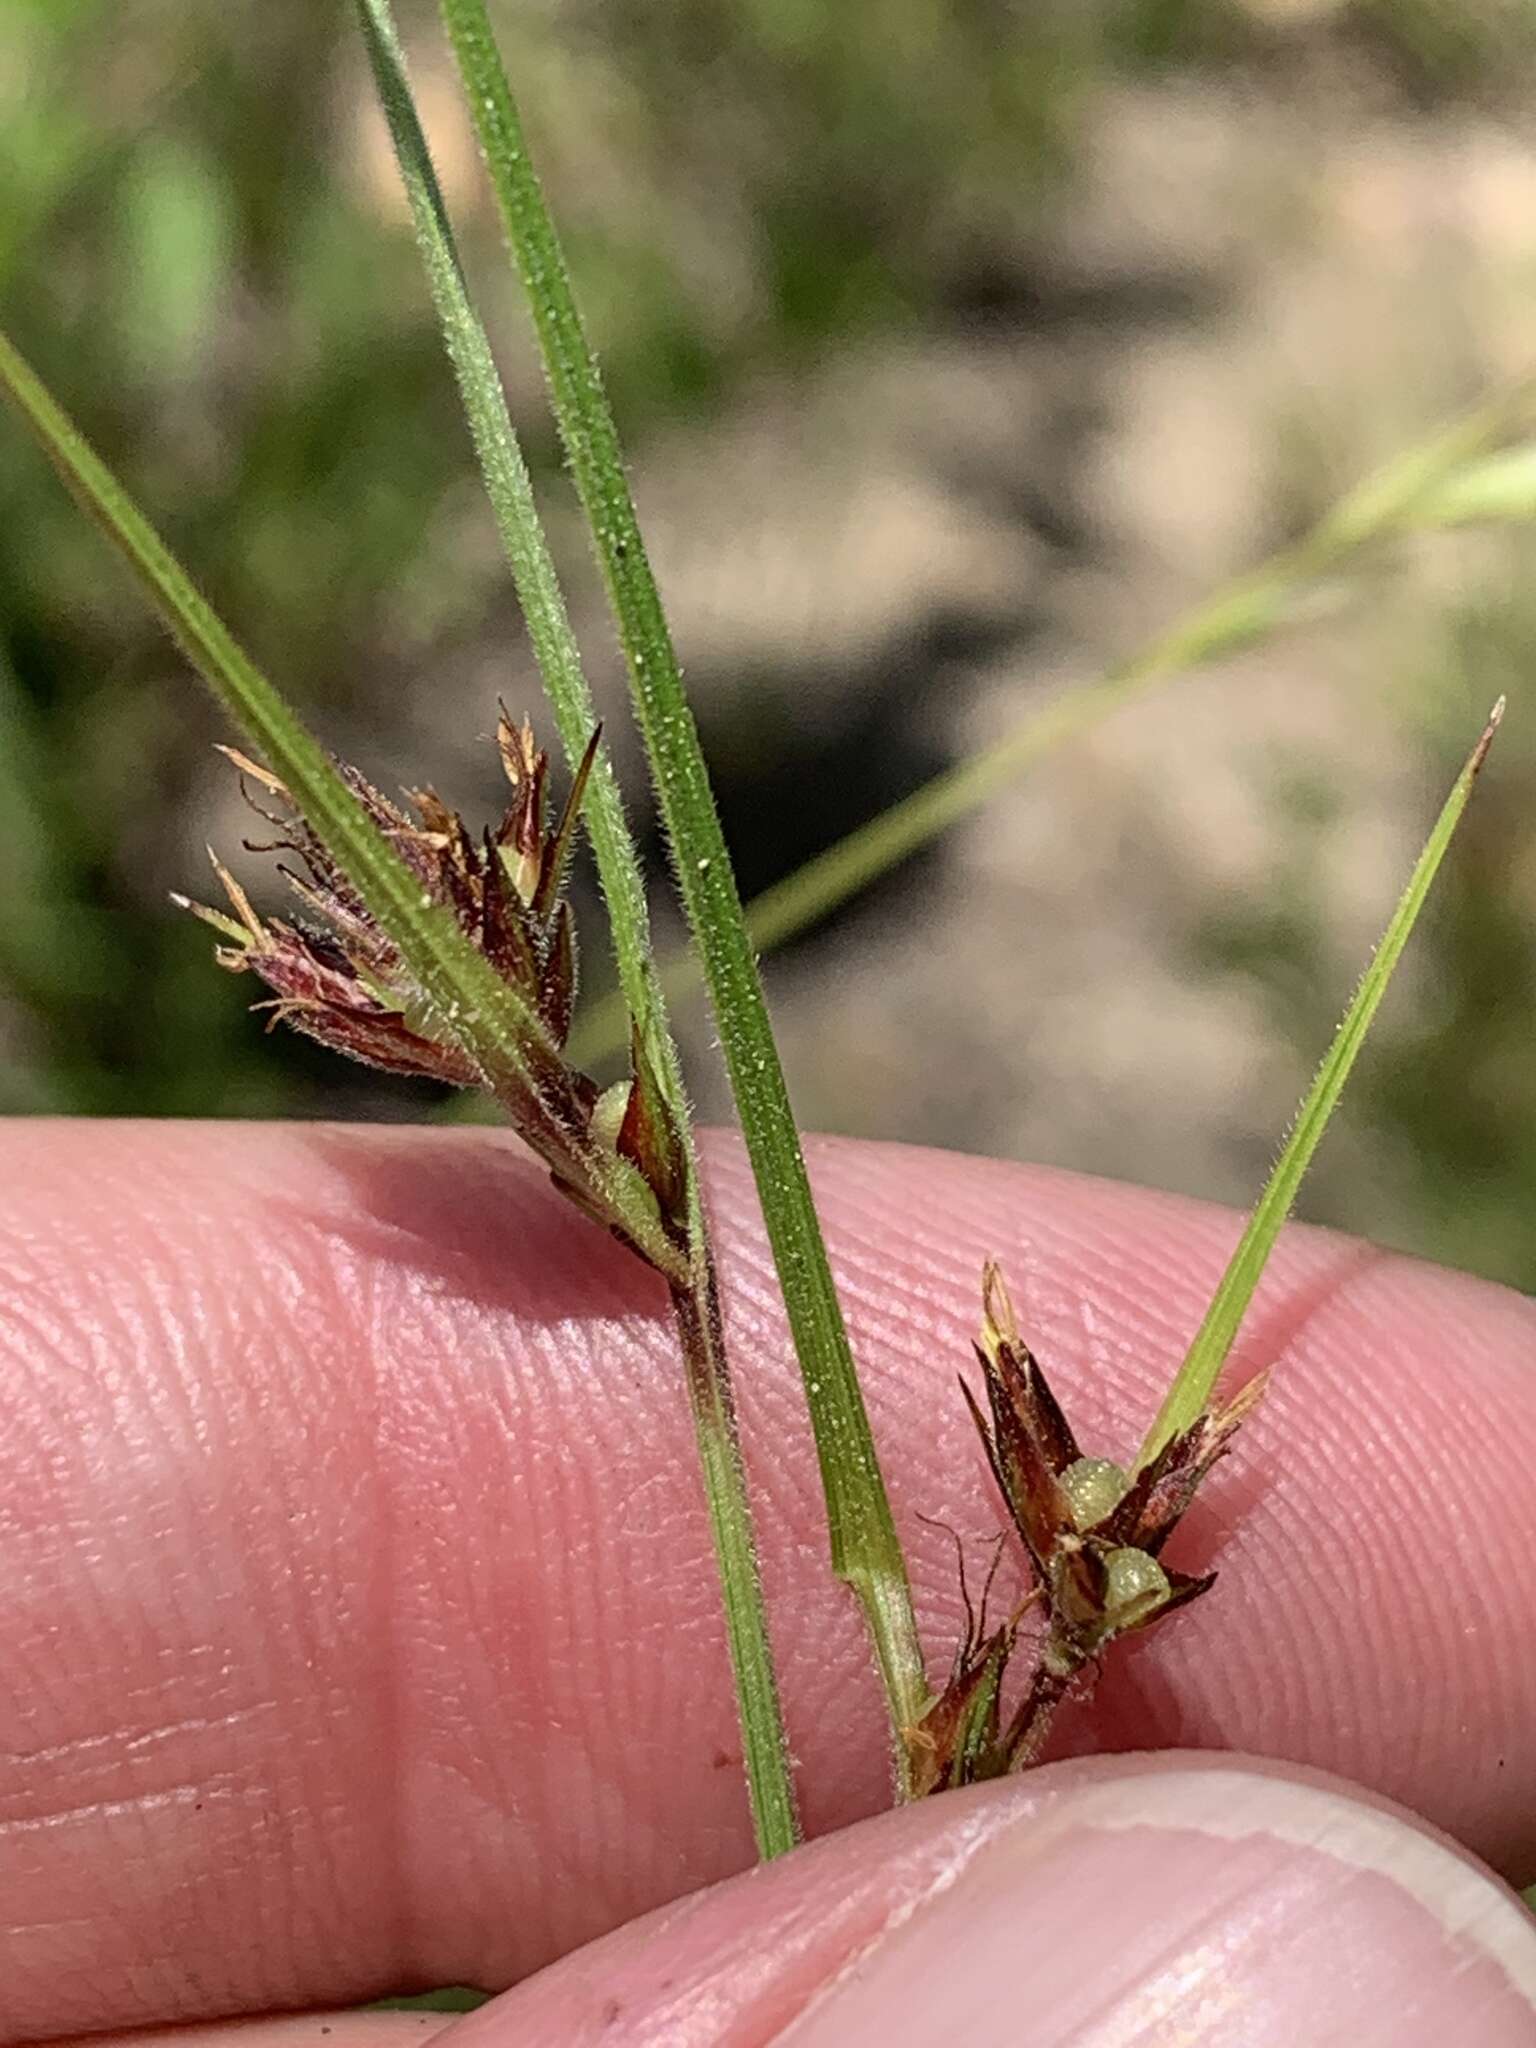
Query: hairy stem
(695, 1301)
(865, 1549)
(696, 1311)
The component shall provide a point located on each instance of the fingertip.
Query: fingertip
(1198, 1903)
(1134, 1901)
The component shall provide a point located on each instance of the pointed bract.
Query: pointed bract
(957, 1740)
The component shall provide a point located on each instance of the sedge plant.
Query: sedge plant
(423, 946)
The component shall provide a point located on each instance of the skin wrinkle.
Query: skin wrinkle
(1404, 1570)
(569, 1595)
(597, 1602)
(1452, 1623)
(1298, 1688)
(295, 1621)
(125, 1739)
(15, 1929)
(979, 1215)
(112, 1809)
(559, 1509)
(167, 1346)
(1033, 1828)
(409, 1430)
(26, 1327)
(79, 1629)
(185, 1441)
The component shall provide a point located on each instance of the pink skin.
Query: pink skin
(359, 1628)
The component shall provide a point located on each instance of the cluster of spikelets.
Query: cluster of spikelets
(1094, 1535)
(335, 976)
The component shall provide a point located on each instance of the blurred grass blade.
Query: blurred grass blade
(865, 1550)
(470, 1002)
(1413, 487)
(1499, 490)
(1449, 479)
(695, 1302)
(510, 490)
(1196, 1379)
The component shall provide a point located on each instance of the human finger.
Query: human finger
(1116, 1902)
(358, 1617)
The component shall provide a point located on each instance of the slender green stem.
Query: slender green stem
(1439, 482)
(1196, 1379)
(510, 491)
(696, 1303)
(471, 1003)
(696, 1311)
(865, 1550)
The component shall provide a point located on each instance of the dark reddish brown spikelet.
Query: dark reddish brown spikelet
(340, 980)
(649, 1137)
(1093, 1535)
(956, 1741)
(1165, 1487)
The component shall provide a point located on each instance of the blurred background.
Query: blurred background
(960, 345)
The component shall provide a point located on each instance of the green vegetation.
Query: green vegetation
(233, 310)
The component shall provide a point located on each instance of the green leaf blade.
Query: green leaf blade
(865, 1549)
(1197, 1376)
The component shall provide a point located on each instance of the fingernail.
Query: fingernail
(1162, 1903)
